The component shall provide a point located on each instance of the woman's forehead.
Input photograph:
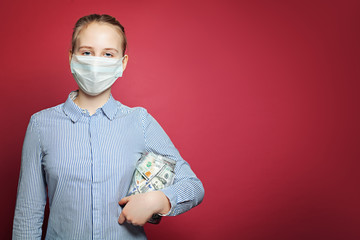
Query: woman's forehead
(99, 35)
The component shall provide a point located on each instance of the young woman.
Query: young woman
(82, 153)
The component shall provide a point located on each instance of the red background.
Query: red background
(260, 97)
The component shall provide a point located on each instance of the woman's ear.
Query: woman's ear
(125, 61)
(70, 56)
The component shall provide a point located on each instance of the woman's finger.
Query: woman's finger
(124, 200)
(121, 218)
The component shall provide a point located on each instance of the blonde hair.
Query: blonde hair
(104, 18)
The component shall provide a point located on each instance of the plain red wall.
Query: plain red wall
(260, 97)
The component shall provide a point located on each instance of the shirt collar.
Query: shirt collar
(110, 108)
(74, 112)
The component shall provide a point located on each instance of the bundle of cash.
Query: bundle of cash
(153, 172)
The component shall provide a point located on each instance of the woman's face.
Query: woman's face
(100, 40)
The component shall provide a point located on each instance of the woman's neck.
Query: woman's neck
(92, 103)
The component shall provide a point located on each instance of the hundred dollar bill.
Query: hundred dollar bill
(150, 167)
(158, 183)
(153, 172)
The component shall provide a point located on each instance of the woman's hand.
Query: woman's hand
(140, 207)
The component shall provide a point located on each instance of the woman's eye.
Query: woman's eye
(86, 53)
(108, 55)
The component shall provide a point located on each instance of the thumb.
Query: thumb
(124, 200)
(121, 219)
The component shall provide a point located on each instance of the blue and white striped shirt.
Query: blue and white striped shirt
(84, 164)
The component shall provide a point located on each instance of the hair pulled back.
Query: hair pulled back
(96, 18)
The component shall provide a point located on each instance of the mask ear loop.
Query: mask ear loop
(122, 64)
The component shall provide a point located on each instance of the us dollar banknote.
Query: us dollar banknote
(153, 172)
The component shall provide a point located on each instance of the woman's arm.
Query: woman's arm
(31, 195)
(187, 190)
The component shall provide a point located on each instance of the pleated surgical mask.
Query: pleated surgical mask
(95, 74)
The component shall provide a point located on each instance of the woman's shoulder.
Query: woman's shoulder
(124, 109)
(47, 113)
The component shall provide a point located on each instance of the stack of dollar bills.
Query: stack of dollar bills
(153, 172)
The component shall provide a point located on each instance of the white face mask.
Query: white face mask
(95, 74)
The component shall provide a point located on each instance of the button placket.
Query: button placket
(96, 177)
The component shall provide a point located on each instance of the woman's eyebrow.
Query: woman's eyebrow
(85, 47)
(114, 49)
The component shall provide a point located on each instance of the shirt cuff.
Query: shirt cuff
(172, 198)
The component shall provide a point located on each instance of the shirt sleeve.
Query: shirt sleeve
(31, 194)
(187, 190)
